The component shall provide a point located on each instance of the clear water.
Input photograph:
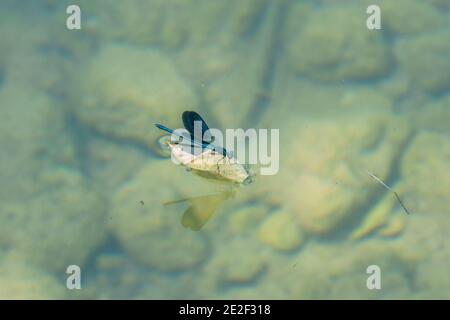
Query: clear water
(86, 189)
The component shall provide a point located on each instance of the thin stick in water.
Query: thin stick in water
(390, 189)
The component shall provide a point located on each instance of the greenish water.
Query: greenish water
(84, 181)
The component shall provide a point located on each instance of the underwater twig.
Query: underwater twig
(390, 189)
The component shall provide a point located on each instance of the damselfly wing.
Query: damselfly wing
(197, 127)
